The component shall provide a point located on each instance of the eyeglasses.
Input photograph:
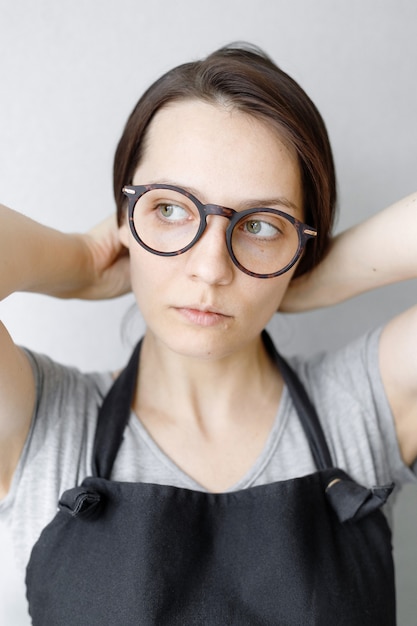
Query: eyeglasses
(262, 242)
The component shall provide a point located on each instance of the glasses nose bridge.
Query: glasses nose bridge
(217, 209)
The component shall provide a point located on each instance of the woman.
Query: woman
(210, 492)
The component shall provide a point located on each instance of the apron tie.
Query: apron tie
(81, 502)
(351, 501)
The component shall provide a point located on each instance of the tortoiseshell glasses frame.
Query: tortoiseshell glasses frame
(304, 232)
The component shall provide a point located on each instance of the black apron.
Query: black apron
(312, 550)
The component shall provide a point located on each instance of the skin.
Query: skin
(210, 368)
(190, 144)
(380, 251)
(203, 315)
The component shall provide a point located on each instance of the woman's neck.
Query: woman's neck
(204, 390)
(210, 417)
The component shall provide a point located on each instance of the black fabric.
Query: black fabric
(313, 550)
(305, 409)
(113, 417)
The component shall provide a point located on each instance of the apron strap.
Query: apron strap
(116, 408)
(305, 409)
(113, 417)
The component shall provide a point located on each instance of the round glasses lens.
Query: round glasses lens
(166, 220)
(265, 242)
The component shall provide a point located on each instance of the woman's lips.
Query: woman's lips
(202, 317)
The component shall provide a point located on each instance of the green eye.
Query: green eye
(166, 210)
(260, 227)
(172, 211)
(253, 227)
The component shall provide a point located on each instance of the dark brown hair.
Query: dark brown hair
(246, 79)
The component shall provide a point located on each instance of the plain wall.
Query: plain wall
(70, 72)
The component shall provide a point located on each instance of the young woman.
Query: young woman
(211, 482)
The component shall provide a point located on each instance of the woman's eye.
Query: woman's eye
(261, 228)
(172, 211)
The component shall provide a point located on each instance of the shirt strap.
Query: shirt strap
(116, 408)
(113, 417)
(304, 407)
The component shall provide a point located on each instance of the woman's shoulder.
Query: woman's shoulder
(346, 381)
(65, 415)
(346, 387)
(57, 380)
(58, 447)
(352, 366)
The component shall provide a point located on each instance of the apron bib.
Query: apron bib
(311, 550)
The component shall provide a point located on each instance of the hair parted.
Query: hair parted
(243, 77)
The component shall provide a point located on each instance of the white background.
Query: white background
(70, 72)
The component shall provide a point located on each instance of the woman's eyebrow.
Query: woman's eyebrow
(256, 203)
(270, 203)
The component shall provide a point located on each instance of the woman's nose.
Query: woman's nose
(209, 259)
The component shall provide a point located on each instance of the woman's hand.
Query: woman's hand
(304, 293)
(109, 262)
(39, 259)
(378, 252)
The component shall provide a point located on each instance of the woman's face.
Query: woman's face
(199, 303)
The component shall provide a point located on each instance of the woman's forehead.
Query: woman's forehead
(209, 145)
(197, 118)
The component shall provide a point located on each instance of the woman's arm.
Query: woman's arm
(39, 259)
(377, 252)
(380, 251)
